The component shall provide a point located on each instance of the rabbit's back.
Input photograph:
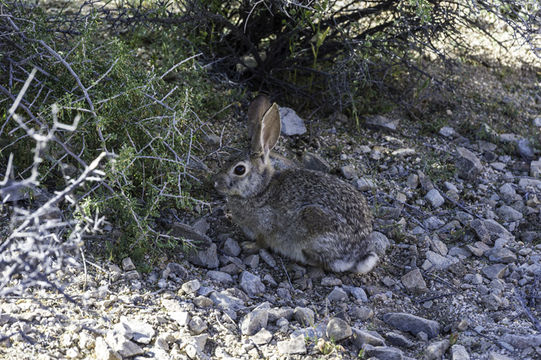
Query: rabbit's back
(295, 190)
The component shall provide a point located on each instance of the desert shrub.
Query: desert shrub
(328, 54)
(142, 103)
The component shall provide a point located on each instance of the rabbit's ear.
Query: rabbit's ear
(270, 130)
(256, 110)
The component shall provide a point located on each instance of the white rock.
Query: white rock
(121, 345)
(263, 337)
(139, 331)
(447, 131)
(292, 124)
(181, 317)
(103, 352)
(296, 345)
(191, 286)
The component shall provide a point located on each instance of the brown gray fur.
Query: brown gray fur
(308, 216)
(258, 107)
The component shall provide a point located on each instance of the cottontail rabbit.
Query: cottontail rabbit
(308, 216)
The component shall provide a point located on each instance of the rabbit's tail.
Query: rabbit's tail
(367, 264)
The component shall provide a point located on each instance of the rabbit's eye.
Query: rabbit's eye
(239, 170)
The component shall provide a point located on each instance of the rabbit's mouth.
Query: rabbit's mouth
(222, 185)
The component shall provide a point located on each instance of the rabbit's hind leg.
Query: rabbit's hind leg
(326, 258)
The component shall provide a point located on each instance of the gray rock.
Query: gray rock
(296, 345)
(404, 152)
(436, 350)
(331, 281)
(433, 223)
(501, 255)
(438, 246)
(364, 184)
(507, 213)
(254, 321)
(277, 313)
(191, 286)
(337, 294)
(362, 313)
(478, 249)
(507, 192)
(535, 168)
(251, 284)
(509, 138)
(315, 162)
(203, 302)
(496, 271)
(525, 149)
(338, 329)
(348, 171)
(195, 345)
(103, 352)
(459, 252)
(197, 325)
(426, 183)
(451, 187)
(447, 131)
(383, 352)
(121, 345)
(205, 257)
(176, 269)
(468, 164)
(413, 181)
(526, 183)
(363, 337)
(292, 124)
(132, 275)
(435, 198)
(201, 225)
(414, 281)
(305, 316)
(537, 121)
(459, 352)
(439, 262)
(381, 123)
(357, 292)
(127, 264)
(252, 261)
(227, 303)
(267, 258)
(219, 276)
(231, 247)
(379, 242)
(522, 341)
(495, 356)
(488, 230)
(492, 301)
(138, 331)
(398, 340)
(413, 324)
(262, 337)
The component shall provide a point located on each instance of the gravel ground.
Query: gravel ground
(461, 278)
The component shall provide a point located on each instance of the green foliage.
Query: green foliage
(145, 120)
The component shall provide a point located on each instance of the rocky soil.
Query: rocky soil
(461, 279)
